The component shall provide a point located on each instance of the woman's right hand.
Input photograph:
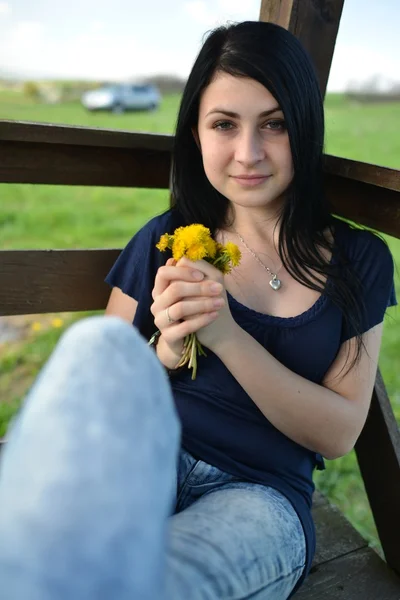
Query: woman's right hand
(189, 299)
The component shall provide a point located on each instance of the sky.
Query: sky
(127, 39)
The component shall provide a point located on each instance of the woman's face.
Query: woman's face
(244, 143)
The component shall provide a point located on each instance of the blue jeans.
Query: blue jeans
(99, 502)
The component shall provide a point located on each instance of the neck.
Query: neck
(255, 225)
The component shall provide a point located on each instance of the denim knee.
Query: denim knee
(103, 366)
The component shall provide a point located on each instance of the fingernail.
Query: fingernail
(216, 287)
(197, 275)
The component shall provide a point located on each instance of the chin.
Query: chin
(253, 201)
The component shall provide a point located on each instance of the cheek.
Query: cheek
(286, 161)
(214, 159)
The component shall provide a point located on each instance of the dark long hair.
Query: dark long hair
(275, 58)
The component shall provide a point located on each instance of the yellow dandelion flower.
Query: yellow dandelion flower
(211, 247)
(163, 243)
(196, 252)
(234, 253)
(57, 323)
(36, 326)
(178, 248)
(224, 267)
(193, 234)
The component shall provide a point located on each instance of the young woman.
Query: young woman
(206, 492)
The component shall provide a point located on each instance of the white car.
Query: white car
(121, 97)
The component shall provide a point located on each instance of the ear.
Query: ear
(196, 137)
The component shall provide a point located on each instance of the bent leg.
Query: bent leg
(238, 541)
(88, 477)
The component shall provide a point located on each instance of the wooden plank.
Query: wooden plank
(43, 281)
(68, 164)
(71, 155)
(277, 11)
(335, 535)
(315, 24)
(378, 454)
(360, 575)
(363, 203)
(358, 171)
(49, 133)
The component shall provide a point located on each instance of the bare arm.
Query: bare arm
(325, 418)
(121, 305)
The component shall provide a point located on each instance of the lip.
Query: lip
(250, 180)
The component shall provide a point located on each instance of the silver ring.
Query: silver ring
(168, 317)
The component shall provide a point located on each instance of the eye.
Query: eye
(223, 125)
(276, 125)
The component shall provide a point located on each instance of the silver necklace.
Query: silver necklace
(275, 283)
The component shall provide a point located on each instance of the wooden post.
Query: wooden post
(316, 24)
(378, 454)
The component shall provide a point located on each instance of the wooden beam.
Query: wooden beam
(43, 281)
(378, 454)
(315, 24)
(277, 11)
(29, 131)
(48, 154)
(382, 177)
(366, 204)
(361, 575)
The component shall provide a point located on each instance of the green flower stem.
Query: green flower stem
(191, 348)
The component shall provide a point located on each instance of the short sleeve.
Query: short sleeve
(135, 269)
(373, 263)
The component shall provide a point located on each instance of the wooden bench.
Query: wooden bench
(43, 281)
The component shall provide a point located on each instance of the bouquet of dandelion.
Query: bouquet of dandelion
(195, 243)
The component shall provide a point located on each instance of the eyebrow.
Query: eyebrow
(234, 115)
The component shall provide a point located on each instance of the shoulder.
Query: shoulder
(363, 248)
(371, 264)
(166, 222)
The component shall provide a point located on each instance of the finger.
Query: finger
(203, 267)
(179, 330)
(169, 273)
(183, 290)
(187, 309)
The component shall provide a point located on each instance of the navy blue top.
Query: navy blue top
(220, 423)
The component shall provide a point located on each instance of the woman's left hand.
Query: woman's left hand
(223, 326)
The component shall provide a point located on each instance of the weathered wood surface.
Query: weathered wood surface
(43, 281)
(62, 155)
(378, 454)
(49, 133)
(344, 568)
(315, 24)
(335, 536)
(360, 575)
(366, 204)
(379, 176)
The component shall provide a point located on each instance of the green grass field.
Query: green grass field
(76, 217)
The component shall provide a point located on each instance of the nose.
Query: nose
(249, 150)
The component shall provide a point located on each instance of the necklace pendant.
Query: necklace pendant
(275, 283)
